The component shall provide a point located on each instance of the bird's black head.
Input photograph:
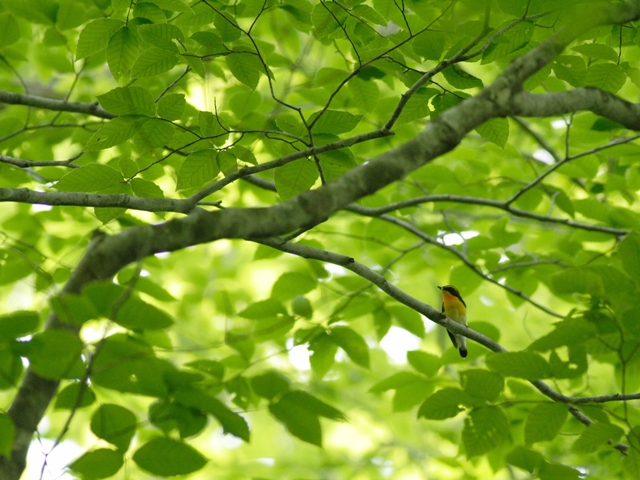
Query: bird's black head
(452, 290)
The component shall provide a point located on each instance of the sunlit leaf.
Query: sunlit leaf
(167, 457)
(96, 35)
(100, 463)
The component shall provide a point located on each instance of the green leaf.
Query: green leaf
(246, 67)
(408, 319)
(136, 314)
(210, 125)
(115, 132)
(169, 416)
(408, 396)
(418, 106)
(597, 50)
(537, 78)
(100, 463)
(173, 5)
(115, 424)
(166, 457)
(10, 30)
(424, 362)
(524, 458)
(327, 17)
(299, 421)
(128, 101)
(90, 178)
(154, 62)
(429, 45)
(629, 252)
(607, 76)
(269, 385)
(209, 40)
(544, 422)
(161, 35)
(171, 106)
(226, 27)
(263, 310)
(231, 422)
(154, 133)
(55, 354)
(122, 52)
(95, 36)
(291, 284)
(295, 177)
(443, 404)
(302, 306)
(18, 324)
(482, 384)
(596, 436)
(67, 398)
(146, 189)
(396, 381)
(314, 405)
(7, 435)
(149, 11)
(530, 366)
(335, 122)
(74, 309)
(212, 367)
(445, 101)
(495, 130)
(102, 296)
(484, 429)
(571, 69)
(10, 369)
(571, 331)
(324, 352)
(128, 365)
(513, 40)
(196, 65)
(199, 168)
(299, 411)
(631, 463)
(370, 14)
(550, 471)
(227, 162)
(352, 343)
(577, 280)
(365, 94)
(458, 78)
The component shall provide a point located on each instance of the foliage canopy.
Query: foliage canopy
(224, 223)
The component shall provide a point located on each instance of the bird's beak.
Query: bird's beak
(439, 287)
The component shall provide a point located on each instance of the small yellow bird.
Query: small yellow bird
(454, 307)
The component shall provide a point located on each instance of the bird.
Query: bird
(454, 308)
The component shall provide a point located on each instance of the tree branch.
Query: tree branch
(58, 105)
(374, 212)
(81, 199)
(592, 99)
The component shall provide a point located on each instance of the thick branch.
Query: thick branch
(81, 199)
(58, 105)
(592, 99)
